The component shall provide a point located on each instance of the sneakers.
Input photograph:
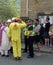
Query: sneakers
(38, 54)
(2, 55)
(6, 55)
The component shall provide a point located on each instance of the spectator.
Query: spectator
(5, 44)
(37, 35)
(51, 36)
(46, 31)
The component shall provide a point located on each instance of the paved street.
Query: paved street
(46, 49)
(44, 59)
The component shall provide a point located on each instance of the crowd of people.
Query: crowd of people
(34, 33)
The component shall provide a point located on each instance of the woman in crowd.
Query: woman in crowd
(37, 35)
(46, 31)
(5, 44)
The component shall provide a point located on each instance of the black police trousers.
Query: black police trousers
(30, 45)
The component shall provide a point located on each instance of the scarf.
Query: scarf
(1, 30)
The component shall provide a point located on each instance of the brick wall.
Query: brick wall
(45, 6)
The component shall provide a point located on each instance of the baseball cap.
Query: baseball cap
(9, 20)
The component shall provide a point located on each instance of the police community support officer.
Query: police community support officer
(30, 37)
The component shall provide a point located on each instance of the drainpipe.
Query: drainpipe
(27, 4)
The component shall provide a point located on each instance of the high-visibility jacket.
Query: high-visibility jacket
(27, 30)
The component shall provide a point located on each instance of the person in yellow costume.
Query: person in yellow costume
(14, 34)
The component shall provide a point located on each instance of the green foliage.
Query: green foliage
(8, 9)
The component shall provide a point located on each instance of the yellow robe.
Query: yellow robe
(15, 34)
